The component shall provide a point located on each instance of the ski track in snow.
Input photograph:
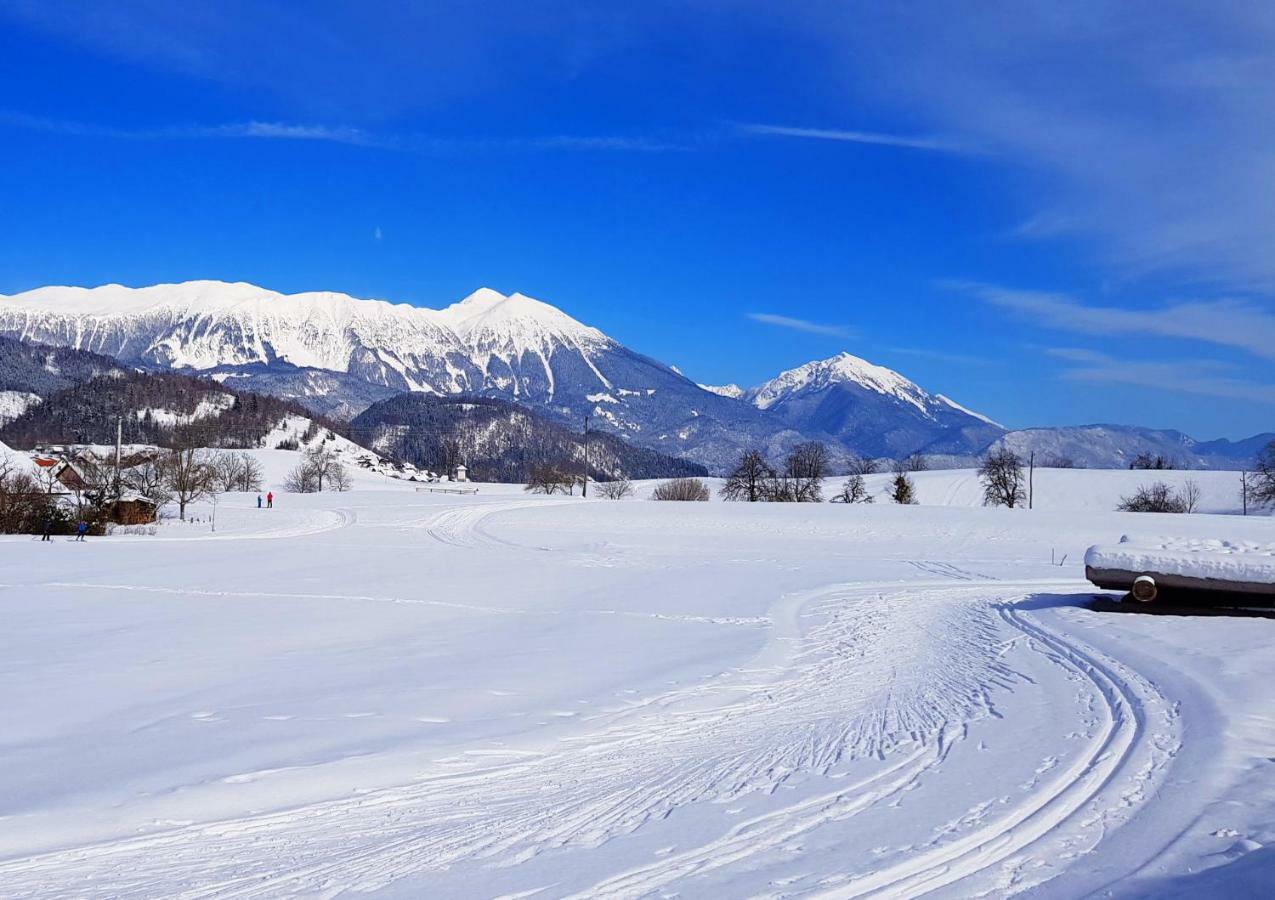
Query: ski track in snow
(460, 526)
(894, 674)
(294, 525)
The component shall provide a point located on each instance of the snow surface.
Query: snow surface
(204, 324)
(841, 368)
(15, 403)
(733, 391)
(1073, 489)
(942, 398)
(408, 694)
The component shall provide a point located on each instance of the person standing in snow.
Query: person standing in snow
(82, 530)
(270, 500)
(258, 501)
(48, 529)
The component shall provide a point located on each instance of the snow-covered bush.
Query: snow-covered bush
(681, 489)
(615, 490)
(1157, 497)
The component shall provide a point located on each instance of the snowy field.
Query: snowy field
(422, 695)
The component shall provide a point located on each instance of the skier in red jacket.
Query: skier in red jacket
(270, 500)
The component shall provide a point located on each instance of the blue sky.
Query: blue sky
(1053, 215)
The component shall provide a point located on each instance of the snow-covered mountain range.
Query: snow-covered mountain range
(873, 409)
(338, 355)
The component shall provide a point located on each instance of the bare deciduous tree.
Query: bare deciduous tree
(1002, 477)
(451, 455)
(238, 472)
(95, 487)
(750, 481)
(150, 479)
(1190, 495)
(1261, 482)
(681, 489)
(324, 464)
(855, 490)
(616, 489)
(913, 463)
(339, 478)
(1155, 461)
(25, 506)
(862, 465)
(549, 479)
(804, 471)
(190, 477)
(302, 479)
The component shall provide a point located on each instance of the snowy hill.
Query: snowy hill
(872, 409)
(1069, 489)
(1115, 446)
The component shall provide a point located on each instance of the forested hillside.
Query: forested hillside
(36, 369)
(157, 408)
(499, 441)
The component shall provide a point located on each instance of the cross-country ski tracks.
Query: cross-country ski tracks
(947, 570)
(890, 674)
(1139, 735)
(273, 525)
(461, 526)
(408, 601)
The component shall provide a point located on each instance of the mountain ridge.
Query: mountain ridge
(489, 344)
(338, 354)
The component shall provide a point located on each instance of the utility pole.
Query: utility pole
(119, 440)
(584, 482)
(1031, 479)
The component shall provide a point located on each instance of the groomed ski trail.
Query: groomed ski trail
(895, 673)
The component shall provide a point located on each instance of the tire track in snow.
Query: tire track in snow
(894, 676)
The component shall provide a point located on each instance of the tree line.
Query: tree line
(502, 441)
(160, 408)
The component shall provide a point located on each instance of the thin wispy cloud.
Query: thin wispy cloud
(1200, 377)
(1232, 323)
(1143, 129)
(337, 134)
(801, 325)
(941, 144)
(263, 130)
(957, 359)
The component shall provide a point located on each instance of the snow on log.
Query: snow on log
(1188, 563)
